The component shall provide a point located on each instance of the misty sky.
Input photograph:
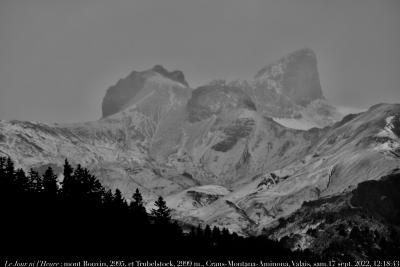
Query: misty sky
(57, 58)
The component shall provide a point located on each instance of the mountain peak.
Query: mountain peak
(306, 51)
(175, 75)
(118, 95)
(159, 68)
(295, 76)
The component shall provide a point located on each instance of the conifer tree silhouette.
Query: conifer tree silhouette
(21, 181)
(9, 168)
(207, 232)
(2, 165)
(8, 171)
(216, 234)
(118, 200)
(94, 221)
(35, 181)
(199, 231)
(91, 186)
(68, 170)
(162, 213)
(137, 199)
(67, 183)
(108, 198)
(137, 207)
(50, 182)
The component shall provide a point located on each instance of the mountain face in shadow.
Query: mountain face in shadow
(239, 155)
(358, 224)
(119, 95)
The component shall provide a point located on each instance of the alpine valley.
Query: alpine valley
(269, 155)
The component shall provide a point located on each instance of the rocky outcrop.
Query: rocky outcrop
(290, 89)
(120, 94)
(176, 75)
(294, 76)
(216, 98)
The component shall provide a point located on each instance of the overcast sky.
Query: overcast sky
(57, 58)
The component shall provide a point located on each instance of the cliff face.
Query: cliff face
(294, 76)
(119, 95)
(289, 90)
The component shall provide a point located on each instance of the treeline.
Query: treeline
(79, 217)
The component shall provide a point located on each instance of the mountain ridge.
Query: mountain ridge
(226, 154)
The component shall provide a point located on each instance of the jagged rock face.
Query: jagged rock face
(294, 76)
(176, 75)
(217, 98)
(119, 95)
(290, 89)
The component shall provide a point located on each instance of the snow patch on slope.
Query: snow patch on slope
(388, 129)
(190, 200)
(160, 80)
(299, 124)
(392, 143)
(211, 190)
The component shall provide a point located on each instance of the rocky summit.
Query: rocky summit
(243, 155)
(122, 93)
(294, 76)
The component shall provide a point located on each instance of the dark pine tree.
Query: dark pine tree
(50, 186)
(118, 200)
(35, 181)
(91, 187)
(68, 170)
(9, 168)
(21, 181)
(136, 204)
(9, 172)
(3, 161)
(138, 210)
(207, 232)
(67, 183)
(199, 231)
(162, 213)
(216, 234)
(137, 199)
(108, 199)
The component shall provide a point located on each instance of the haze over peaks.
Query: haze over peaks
(126, 89)
(296, 76)
(288, 88)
